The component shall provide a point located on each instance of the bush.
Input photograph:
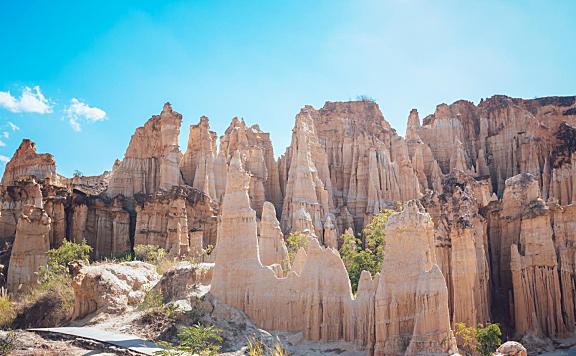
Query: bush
(152, 299)
(488, 339)
(197, 339)
(294, 241)
(149, 253)
(358, 258)
(466, 338)
(7, 313)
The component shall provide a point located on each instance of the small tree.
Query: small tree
(58, 259)
(77, 173)
(488, 339)
(294, 241)
(358, 258)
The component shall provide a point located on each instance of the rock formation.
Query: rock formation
(270, 239)
(198, 162)
(347, 161)
(503, 136)
(26, 162)
(461, 242)
(29, 250)
(151, 161)
(318, 298)
(111, 288)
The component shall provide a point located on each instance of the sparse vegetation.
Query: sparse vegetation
(255, 346)
(196, 339)
(152, 299)
(7, 312)
(478, 341)
(7, 342)
(77, 173)
(365, 98)
(294, 241)
(358, 257)
(149, 253)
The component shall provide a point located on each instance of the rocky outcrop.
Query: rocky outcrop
(184, 278)
(511, 348)
(29, 249)
(317, 299)
(271, 246)
(26, 162)
(347, 161)
(151, 161)
(461, 245)
(111, 288)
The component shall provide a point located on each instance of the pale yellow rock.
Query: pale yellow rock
(26, 162)
(270, 239)
(151, 161)
(29, 252)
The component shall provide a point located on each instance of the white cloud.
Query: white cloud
(4, 158)
(13, 126)
(2, 144)
(78, 111)
(6, 134)
(31, 100)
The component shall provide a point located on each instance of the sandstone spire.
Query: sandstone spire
(270, 239)
(152, 158)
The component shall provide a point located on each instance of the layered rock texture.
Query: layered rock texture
(486, 232)
(404, 311)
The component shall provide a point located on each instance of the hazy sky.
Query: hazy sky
(78, 77)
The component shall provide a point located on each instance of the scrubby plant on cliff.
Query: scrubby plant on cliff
(367, 256)
(294, 241)
(56, 271)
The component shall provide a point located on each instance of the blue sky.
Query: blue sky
(78, 77)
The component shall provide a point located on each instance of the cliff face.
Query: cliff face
(316, 296)
(461, 245)
(503, 137)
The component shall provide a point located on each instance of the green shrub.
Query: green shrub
(488, 339)
(294, 242)
(197, 339)
(149, 253)
(152, 299)
(370, 257)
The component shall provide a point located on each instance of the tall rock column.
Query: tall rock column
(30, 247)
(411, 303)
(270, 239)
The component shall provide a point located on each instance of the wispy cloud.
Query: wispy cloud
(2, 143)
(31, 100)
(78, 111)
(4, 159)
(13, 126)
(6, 134)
